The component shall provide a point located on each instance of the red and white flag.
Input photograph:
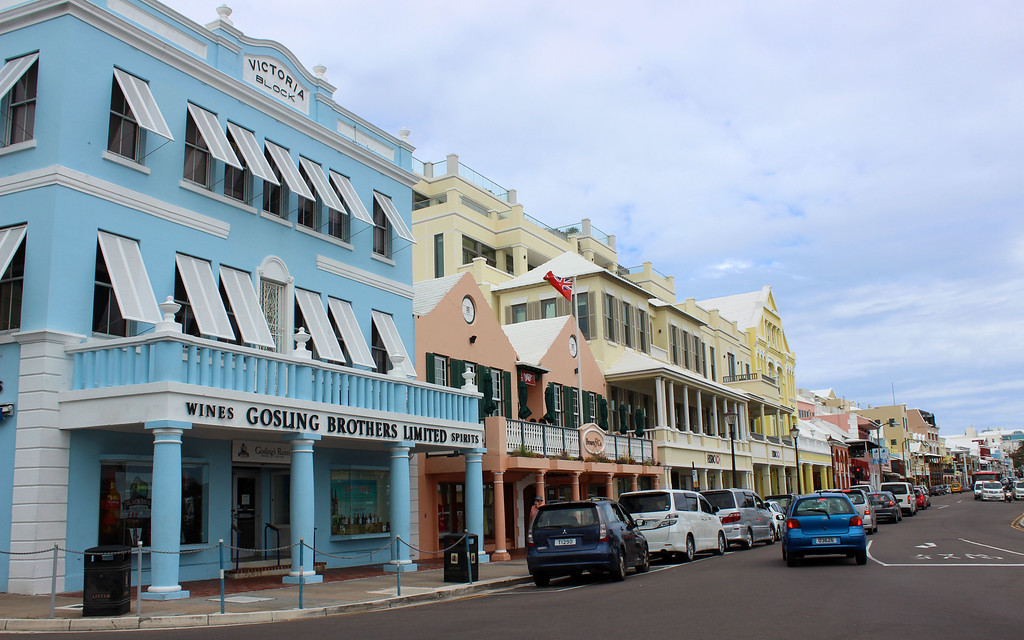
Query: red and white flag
(563, 285)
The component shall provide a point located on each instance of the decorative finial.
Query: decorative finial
(224, 11)
(168, 308)
(403, 133)
(320, 70)
(301, 338)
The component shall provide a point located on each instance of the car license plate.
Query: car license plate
(565, 542)
(826, 541)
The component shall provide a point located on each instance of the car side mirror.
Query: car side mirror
(715, 509)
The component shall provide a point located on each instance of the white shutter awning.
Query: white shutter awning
(320, 184)
(246, 305)
(392, 341)
(216, 139)
(255, 161)
(351, 198)
(11, 72)
(393, 216)
(345, 320)
(129, 279)
(10, 240)
(204, 296)
(142, 103)
(288, 170)
(319, 326)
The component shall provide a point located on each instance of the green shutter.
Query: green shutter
(506, 393)
(455, 370)
(430, 368)
(570, 418)
(586, 405)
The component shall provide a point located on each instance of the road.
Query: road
(953, 571)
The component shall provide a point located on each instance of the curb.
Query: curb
(253, 617)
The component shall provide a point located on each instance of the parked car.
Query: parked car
(784, 499)
(824, 524)
(955, 487)
(885, 506)
(859, 498)
(744, 516)
(778, 517)
(904, 495)
(599, 536)
(992, 490)
(921, 498)
(927, 495)
(977, 489)
(677, 523)
(1018, 490)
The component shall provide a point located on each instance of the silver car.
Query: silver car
(860, 501)
(745, 517)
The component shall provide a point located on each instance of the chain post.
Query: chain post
(302, 576)
(138, 588)
(53, 582)
(220, 559)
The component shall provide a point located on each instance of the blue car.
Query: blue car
(823, 524)
(599, 536)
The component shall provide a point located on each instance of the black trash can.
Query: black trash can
(457, 561)
(107, 587)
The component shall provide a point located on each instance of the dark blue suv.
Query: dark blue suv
(599, 536)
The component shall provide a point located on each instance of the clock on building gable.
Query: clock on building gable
(573, 346)
(468, 310)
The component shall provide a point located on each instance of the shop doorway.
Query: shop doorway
(245, 510)
(261, 509)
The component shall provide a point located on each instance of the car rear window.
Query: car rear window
(817, 506)
(721, 499)
(896, 489)
(568, 516)
(646, 502)
(856, 496)
(876, 499)
(993, 485)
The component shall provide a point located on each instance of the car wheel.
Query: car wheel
(771, 536)
(722, 545)
(862, 557)
(619, 567)
(748, 540)
(645, 561)
(792, 560)
(691, 550)
(541, 579)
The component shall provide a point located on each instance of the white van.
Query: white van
(677, 523)
(904, 495)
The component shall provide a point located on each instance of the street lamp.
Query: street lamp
(730, 419)
(795, 433)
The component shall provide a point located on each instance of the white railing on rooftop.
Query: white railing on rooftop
(552, 441)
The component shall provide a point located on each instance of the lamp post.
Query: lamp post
(795, 434)
(730, 419)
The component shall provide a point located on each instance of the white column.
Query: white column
(659, 401)
(700, 414)
(671, 404)
(686, 407)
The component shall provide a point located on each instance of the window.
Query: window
(185, 316)
(642, 329)
(125, 137)
(378, 351)
(197, 155)
(20, 107)
(106, 315)
(510, 264)
(11, 289)
(440, 370)
(125, 503)
(547, 308)
(673, 343)
(272, 303)
(360, 502)
(497, 394)
(439, 255)
(518, 312)
(309, 209)
(583, 313)
(339, 224)
(558, 409)
(237, 181)
(714, 368)
(381, 232)
(591, 407)
(609, 317)
(627, 326)
(474, 249)
(686, 349)
(275, 196)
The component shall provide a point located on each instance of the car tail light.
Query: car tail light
(602, 534)
(732, 517)
(867, 512)
(529, 538)
(855, 521)
(792, 524)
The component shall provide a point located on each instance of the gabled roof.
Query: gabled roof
(564, 266)
(428, 293)
(744, 309)
(633, 362)
(533, 339)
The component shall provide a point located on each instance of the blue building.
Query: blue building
(206, 327)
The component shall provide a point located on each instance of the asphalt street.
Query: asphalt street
(953, 571)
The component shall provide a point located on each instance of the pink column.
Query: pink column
(609, 486)
(634, 484)
(576, 485)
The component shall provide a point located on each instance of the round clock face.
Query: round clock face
(468, 310)
(573, 347)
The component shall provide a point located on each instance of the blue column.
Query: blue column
(475, 497)
(401, 505)
(165, 511)
(301, 495)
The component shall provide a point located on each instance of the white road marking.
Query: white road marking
(927, 545)
(943, 506)
(1017, 553)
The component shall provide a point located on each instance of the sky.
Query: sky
(864, 159)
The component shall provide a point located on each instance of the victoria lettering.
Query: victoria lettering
(277, 80)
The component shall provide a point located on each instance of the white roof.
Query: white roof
(532, 339)
(744, 309)
(566, 265)
(636, 362)
(428, 293)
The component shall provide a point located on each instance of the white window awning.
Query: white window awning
(345, 320)
(392, 341)
(142, 103)
(248, 313)
(391, 213)
(348, 194)
(216, 139)
(10, 240)
(204, 296)
(319, 326)
(320, 184)
(129, 279)
(11, 72)
(287, 167)
(255, 161)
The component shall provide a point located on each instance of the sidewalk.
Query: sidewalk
(255, 600)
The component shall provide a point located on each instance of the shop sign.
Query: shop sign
(275, 78)
(328, 425)
(592, 438)
(528, 377)
(256, 451)
(776, 454)
(714, 458)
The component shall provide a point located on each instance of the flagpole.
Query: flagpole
(579, 350)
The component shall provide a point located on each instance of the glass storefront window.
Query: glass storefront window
(360, 502)
(126, 499)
